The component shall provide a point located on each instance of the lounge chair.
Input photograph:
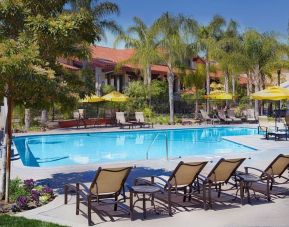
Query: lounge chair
(120, 120)
(266, 126)
(207, 119)
(272, 176)
(220, 175)
(107, 184)
(250, 116)
(222, 116)
(182, 182)
(231, 115)
(139, 116)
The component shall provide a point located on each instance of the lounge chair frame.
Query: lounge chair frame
(86, 196)
(270, 179)
(209, 184)
(187, 191)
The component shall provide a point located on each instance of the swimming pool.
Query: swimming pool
(101, 147)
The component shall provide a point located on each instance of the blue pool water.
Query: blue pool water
(71, 149)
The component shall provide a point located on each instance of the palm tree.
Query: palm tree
(143, 40)
(260, 53)
(99, 11)
(227, 51)
(196, 79)
(207, 37)
(173, 47)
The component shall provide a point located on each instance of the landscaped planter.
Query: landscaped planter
(26, 195)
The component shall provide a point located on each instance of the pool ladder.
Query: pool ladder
(167, 145)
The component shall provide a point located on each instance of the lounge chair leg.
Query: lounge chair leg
(185, 194)
(89, 210)
(210, 195)
(115, 202)
(204, 198)
(219, 191)
(65, 194)
(77, 199)
(169, 203)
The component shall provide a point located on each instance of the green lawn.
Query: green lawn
(12, 221)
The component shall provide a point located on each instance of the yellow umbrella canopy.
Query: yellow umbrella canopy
(115, 96)
(273, 93)
(219, 95)
(93, 98)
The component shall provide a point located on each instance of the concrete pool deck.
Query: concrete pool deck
(257, 214)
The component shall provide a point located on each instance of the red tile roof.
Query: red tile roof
(107, 58)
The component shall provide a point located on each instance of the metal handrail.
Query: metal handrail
(167, 146)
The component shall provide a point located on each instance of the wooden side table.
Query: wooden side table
(144, 193)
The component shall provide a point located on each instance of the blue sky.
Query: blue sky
(263, 15)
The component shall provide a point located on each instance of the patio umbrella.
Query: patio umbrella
(115, 96)
(219, 95)
(274, 93)
(91, 99)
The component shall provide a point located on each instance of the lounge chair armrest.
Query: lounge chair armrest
(256, 169)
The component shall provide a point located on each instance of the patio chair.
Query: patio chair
(107, 184)
(207, 118)
(220, 175)
(250, 116)
(231, 115)
(266, 126)
(222, 116)
(182, 182)
(120, 120)
(139, 116)
(271, 177)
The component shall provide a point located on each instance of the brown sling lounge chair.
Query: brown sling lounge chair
(208, 119)
(232, 115)
(107, 184)
(220, 175)
(183, 181)
(272, 176)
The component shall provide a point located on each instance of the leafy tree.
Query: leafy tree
(34, 34)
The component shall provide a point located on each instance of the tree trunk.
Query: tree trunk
(3, 168)
(44, 117)
(196, 108)
(257, 85)
(233, 85)
(8, 146)
(170, 78)
(208, 82)
(226, 81)
(27, 119)
(3, 151)
(149, 78)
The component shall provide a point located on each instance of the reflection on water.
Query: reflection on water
(57, 150)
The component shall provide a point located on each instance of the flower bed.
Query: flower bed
(26, 195)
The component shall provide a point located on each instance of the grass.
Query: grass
(12, 221)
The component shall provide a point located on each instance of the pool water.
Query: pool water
(101, 147)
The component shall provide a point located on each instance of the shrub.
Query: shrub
(16, 190)
(22, 202)
(106, 88)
